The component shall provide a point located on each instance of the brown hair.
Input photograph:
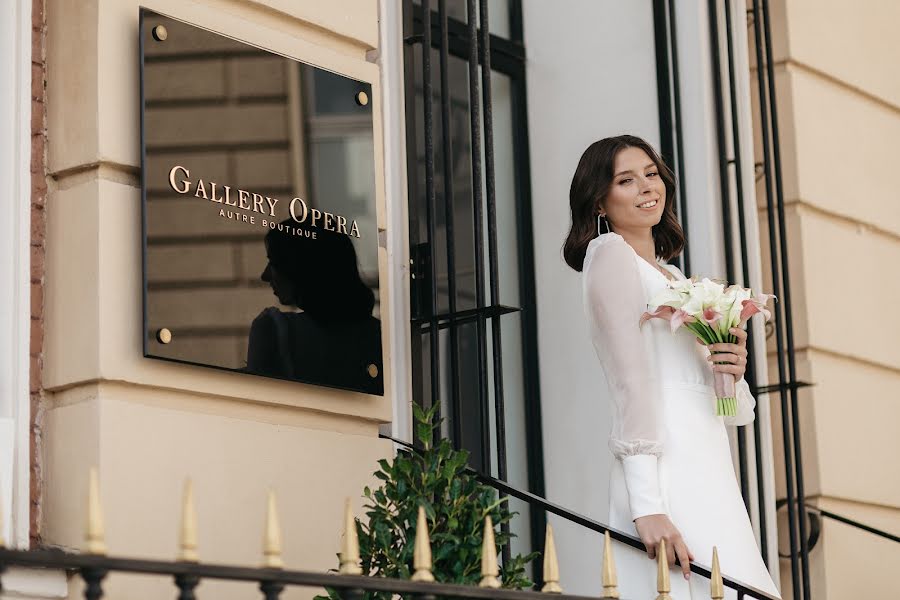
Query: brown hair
(590, 184)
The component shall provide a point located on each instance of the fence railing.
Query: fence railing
(537, 502)
(350, 583)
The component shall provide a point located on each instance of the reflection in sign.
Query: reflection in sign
(259, 211)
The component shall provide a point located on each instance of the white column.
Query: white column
(15, 232)
(396, 239)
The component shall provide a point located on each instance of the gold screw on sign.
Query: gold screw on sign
(272, 537)
(160, 33)
(422, 550)
(610, 589)
(94, 537)
(716, 589)
(362, 98)
(350, 550)
(188, 544)
(662, 575)
(489, 568)
(551, 565)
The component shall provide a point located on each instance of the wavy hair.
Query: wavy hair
(590, 185)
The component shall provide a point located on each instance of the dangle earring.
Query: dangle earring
(605, 222)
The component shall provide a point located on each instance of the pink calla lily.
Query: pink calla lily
(756, 305)
(680, 318)
(663, 312)
(711, 316)
(675, 317)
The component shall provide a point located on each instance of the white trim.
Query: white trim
(15, 279)
(390, 62)
(20, 582)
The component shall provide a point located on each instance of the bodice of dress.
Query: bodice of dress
(640, 362)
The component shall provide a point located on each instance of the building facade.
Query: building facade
(478, 312)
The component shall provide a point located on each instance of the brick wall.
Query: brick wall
(38, 228)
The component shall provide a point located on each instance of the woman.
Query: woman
(335, 341)
(673, 477)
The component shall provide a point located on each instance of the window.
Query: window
(472, 288)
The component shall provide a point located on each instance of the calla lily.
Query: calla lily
(712, 316)
(752, 306)
(663, 312)
(709, 310)
(675, 316)
(679, 318)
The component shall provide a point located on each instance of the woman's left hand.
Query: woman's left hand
(730, 358)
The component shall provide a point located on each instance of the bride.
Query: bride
(673, 477)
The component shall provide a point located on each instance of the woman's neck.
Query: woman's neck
(641, 241)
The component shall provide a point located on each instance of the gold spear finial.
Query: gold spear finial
(610, 582)
(662, 574)
(272, 536)
(716, 589)
(489, 568)
(188, 543)
(350, 550)
(94, 537)
(422, 550)
(551, 565)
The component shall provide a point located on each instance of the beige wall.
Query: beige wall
(148, 424)
(839, 112)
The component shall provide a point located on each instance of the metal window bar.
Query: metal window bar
(669, 97)
(525, 226)
(786, 299)
(738, 164)
(449, 219)
(475, 144)
(430, 206)
(493, 254)
(464, 41)
(848, 521)
(783, 326)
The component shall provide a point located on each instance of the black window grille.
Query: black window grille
(802, 527)
(474, 342)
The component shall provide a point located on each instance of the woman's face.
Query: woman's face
(637, 196)
(281, 286)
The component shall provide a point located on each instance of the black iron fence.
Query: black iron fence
(350, 581)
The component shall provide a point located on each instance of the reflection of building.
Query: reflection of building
(563, 74)
(252, 120)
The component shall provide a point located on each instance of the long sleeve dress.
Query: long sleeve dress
(672, 453)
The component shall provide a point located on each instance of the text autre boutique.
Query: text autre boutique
(265, 205)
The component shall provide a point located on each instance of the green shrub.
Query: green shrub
(456, 505)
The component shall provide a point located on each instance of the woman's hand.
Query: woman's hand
(654, 528)
(730, 358)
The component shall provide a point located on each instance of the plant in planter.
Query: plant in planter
(456, 505)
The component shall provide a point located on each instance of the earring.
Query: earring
(605, 222)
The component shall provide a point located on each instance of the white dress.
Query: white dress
(672, 452)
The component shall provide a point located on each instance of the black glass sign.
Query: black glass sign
(260, 236)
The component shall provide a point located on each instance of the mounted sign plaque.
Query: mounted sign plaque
(260, 239)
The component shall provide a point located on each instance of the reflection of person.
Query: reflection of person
(335, 340)
(673, 477)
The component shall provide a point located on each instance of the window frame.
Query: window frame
(507, 57)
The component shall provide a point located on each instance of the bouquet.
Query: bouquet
(709, 309)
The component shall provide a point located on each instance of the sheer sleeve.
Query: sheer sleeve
(745, 405)
(614, 301)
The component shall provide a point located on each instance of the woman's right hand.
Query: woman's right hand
(653, 528)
